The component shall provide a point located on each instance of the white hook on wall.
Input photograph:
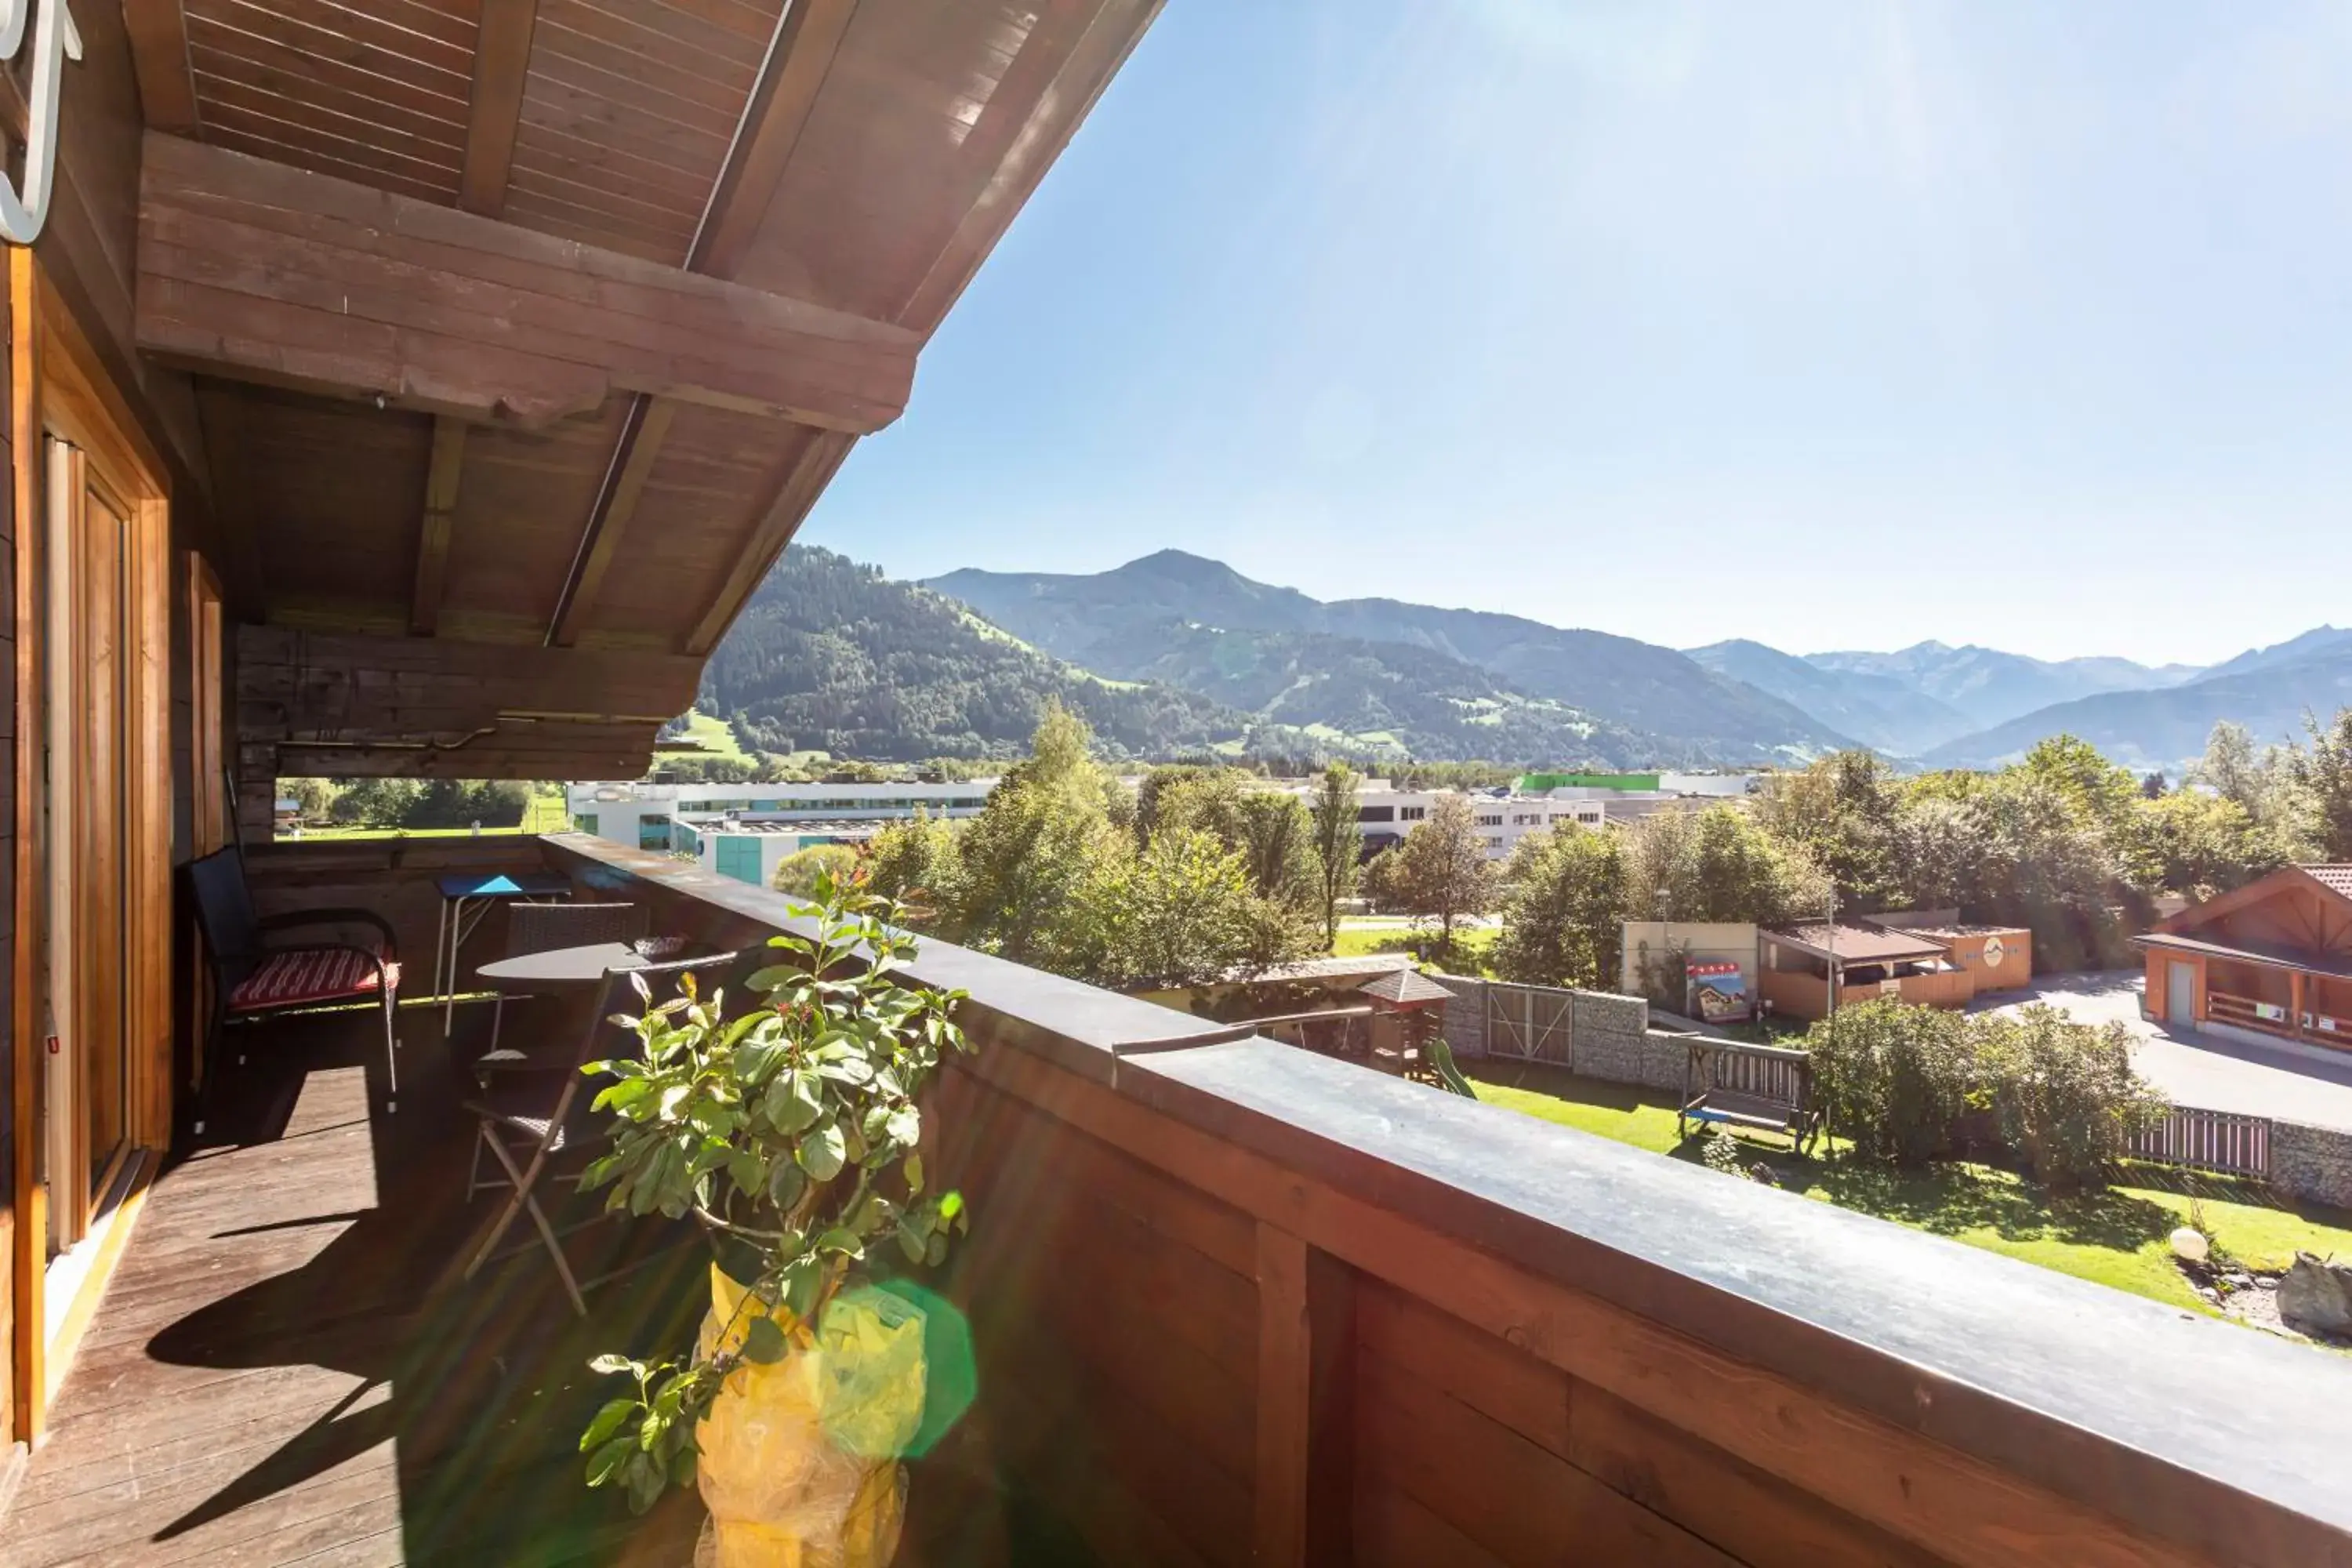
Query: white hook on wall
(56, 40)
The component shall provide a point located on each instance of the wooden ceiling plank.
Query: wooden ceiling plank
(257, 271)
(441, 476)
(158, 31)
(793, 493)
(1043, 96)
(494, 110)
(779, 108)
(633, 464)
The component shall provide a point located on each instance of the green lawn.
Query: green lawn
(714, 738)
(1471, 942)
(2117, 1237)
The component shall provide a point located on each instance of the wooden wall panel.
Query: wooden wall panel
(1119, 1356)
(336, 492)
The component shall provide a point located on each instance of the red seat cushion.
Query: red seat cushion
(303, 975)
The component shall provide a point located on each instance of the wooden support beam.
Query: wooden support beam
(433, 536)
(1304, 1489)
(1044, 96)
(779, 106)
(158, 31)
(262, 272)
(625, 482)
(501, 65)
(222, 413)
(796, 488)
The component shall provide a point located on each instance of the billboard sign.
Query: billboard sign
(1719, 993)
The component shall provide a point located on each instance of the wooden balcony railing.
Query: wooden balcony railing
(1239, 1302)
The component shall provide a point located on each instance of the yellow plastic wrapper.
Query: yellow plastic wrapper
(800, 1456)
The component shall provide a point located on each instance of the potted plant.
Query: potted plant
(792, 1132)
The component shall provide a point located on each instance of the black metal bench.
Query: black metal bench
(1763, 1089)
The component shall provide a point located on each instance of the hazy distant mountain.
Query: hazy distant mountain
(1990, 687)
(1631, 686)
(2167, 728)
(1877, 710)
(2313, 644)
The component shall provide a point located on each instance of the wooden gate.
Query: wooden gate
(1530, 1022)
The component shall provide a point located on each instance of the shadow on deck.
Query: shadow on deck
(285, 1369)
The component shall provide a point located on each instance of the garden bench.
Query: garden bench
(1766, 1089)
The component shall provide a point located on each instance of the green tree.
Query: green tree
(1278, 844)
(915, 864)
(1842, 813)
(2200, 844)
(799, 874)
(1033, 848)
(1717, 864)
(2101, 792)
(1564, 911)
(2324, 776)
(1179, 913)
(1339, 843)
(1440, 870)
(313, 798)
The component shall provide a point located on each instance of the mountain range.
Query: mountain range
(1175, 654)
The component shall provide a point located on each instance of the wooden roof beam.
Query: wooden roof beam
(440, 515)
(793, 73)
(641, 435)
(494, 111)
(158, 31)
(1046, 93)
(260, 272)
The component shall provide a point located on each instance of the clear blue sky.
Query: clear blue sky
(1835, 323)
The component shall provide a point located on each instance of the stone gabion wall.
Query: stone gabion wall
(1466, 1016)
(2313, 1163)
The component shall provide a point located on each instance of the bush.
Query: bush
(2064, 1094)
(1893, 1078)
(1901, 1082)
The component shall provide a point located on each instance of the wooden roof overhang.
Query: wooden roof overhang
(2266, 955)
(525, 332)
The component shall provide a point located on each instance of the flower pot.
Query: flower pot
(799, 1462)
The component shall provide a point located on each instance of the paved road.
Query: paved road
(2195, 1067)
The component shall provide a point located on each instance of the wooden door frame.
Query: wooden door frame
(59, 386)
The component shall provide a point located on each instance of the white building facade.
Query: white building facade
(742, 830)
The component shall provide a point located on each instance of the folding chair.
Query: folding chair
(255, 973)
(544, 928)
(531, 1125)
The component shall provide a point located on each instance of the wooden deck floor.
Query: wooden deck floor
(282, 1371)
(273, 1377)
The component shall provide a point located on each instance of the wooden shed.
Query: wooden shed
(2273, 958)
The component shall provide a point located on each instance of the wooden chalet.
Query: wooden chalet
(2274, 958)
(421, 387)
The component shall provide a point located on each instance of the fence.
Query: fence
(2208, 1140)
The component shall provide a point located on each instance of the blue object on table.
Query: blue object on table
(457, 892)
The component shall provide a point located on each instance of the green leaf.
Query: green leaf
(950, 1204)
(910, 1244)
(802, 1280)
(763, 1341)
(841, 1239)
(913, 1171)
(744, 1168)
(937, 1252)
(905, 1127)
(681, 1467)
(609, 1364)
(607, 1422)
(785, 1184)
(608, 1458)
(775, 977)
(822, 1153)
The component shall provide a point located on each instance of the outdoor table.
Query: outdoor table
(561, 966)
(481, 891)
